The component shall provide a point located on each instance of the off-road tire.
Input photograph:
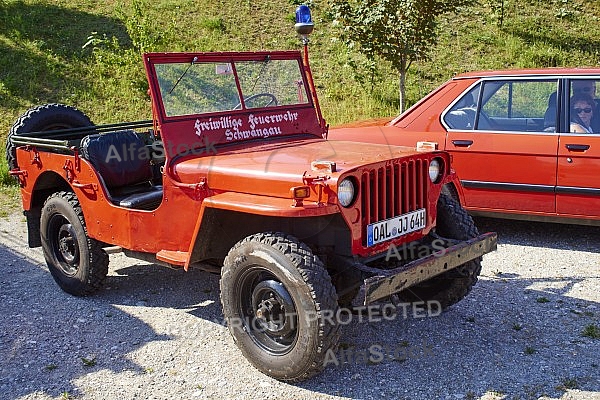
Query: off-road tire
(77, 262)
(453, 222)
(275, 260)
(43, 118)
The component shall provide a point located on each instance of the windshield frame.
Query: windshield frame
(181, 134)
(232, 58)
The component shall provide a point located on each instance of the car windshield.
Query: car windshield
(207, 87)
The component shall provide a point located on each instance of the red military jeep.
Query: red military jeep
(235, 169)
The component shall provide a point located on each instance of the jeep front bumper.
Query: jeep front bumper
(389, 282)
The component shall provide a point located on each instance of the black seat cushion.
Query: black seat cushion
(123, 161)
(147, 200)
(121, 157)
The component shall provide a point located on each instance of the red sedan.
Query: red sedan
(525, 143)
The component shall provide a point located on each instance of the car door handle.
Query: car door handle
(577, 147)
(462, 143)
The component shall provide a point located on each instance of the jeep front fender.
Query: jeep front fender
(257, 208)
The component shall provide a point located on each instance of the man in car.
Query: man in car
(584, 86)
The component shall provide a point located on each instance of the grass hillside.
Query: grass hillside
(86, 53)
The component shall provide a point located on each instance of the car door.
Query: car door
(578, 185)
(504, 158)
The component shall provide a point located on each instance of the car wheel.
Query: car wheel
(279, 304)
(43, 118)
(77, 262)
(453, 222)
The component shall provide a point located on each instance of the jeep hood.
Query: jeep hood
(272, 169)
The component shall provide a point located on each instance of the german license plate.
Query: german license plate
(392, 228)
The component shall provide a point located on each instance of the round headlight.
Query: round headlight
(346, 192)
(435, 170)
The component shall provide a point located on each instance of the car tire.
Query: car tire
(447, 289)
(279, 304)
(43, 118)
(77, 262)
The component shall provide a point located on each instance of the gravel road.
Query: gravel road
(157, 333)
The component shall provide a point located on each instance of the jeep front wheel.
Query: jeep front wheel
(77, 262)
(280, 305)
(449, 288)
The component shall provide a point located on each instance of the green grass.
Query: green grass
(88, 362)
(10, 197)
(50, 367)
(567, 384)
(517, 327)
(542, 300)
(591, 331)
(44, 59)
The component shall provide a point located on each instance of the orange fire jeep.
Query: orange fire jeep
(235, 170)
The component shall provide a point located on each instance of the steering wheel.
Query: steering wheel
(272, 101)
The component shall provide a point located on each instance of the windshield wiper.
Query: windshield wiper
(183, 74)
(262, 69)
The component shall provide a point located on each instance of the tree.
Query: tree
(399, 31)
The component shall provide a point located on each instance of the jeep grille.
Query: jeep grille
(392, 190)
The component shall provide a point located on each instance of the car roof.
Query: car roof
(528, 72)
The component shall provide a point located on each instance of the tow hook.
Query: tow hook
(20, 174)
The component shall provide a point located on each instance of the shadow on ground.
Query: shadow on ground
(501, 338)
(539, 234)
(44, 348)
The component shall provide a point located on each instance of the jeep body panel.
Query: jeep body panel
(109, 223)
(269, 169)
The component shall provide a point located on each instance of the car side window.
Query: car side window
(462, 114)
(583, 111)
(517, 106)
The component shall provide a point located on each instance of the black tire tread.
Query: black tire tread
(452, 286)
(99, 260)
(316, 277)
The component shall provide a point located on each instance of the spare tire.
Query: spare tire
(47, 117)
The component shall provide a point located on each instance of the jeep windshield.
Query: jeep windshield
(230, 97)
(206, 87)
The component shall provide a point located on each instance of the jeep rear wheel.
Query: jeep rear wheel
(279, 304)
(453, 222)
(77, 262)
(43, 118)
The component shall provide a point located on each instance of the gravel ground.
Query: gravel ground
(157, 333)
